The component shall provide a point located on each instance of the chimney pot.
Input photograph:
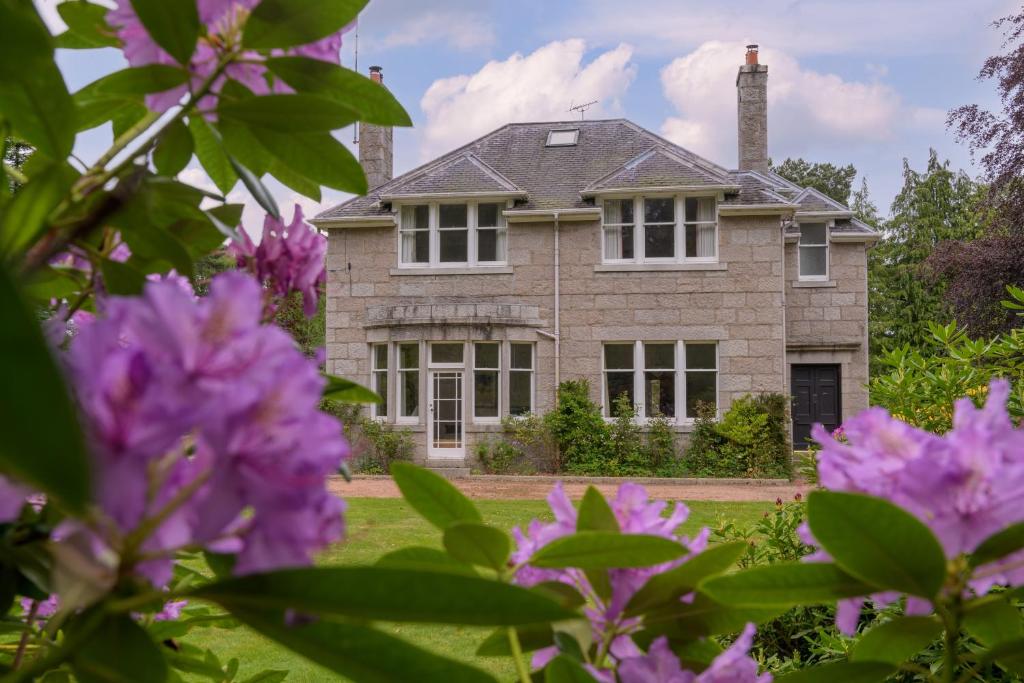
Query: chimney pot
(376, 74)
(752, 54)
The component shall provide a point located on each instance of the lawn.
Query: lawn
(377, 526)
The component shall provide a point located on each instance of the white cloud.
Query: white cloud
(806, 109)
(539, 86)
(461, 24)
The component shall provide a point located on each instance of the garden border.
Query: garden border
(576, 479)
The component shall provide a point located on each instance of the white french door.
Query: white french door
(446, 415)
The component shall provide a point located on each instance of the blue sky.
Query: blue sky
(866, 82)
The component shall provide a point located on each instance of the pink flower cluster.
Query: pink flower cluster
(965, 485)
(224, 22)
(636, 514)
(288, 258)
(204, 426)
(660, 665)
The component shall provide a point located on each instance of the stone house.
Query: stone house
(465, 290)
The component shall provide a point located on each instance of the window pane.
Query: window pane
(381, 387)
(380, 357)
(812, 233)
(660, 393)
(700, 209)
(700, 241)
(453, 216)
(700, 357)
(408, 355)
(522, 356)
(486, 355)
(410, 393)
(812, 261)
(618, 211)
(485, 393)
(446, 353)
(416, 217)
(659, 241)
(487, 245)
(627, 241)
(659, 356)
(691, 240)
(520, 394)
(660, 210)
(416, 247)
(453, 245)
(700, 388)
(618, 356)
(487, 215)
(619, 383)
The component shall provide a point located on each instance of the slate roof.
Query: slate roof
(609, 154)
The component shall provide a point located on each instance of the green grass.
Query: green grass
(377, 526)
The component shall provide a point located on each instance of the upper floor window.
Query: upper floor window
(813, 251)
(669, 229)
(452, 235)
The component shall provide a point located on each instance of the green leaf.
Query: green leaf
(1008, 654)
(595, 514)
(368, 100)
(478, 544)
(675, 583)
(26, 215)
(133, 82)
(87, 27)
(841, 672)
(433, 496)
(34, 99)
(287, 113)
(287, 23)
(563, 669)
(152, 243)
(568, 645)
(119, 651)
(346, 391)
(531, 637)
(994, 622)
(785, 584)
(192, 665)
(426, 559)
(214, 160)
(122, 278)
(896, 641)
(42, 443)
(174, 150)
(384, 593)
(607, 550)
(257, 189)
(268, 676)
(318, 157)
(564, 594)
(95, 112)
(999, 545)
(878, 542)
(173, 24)
(704, 617)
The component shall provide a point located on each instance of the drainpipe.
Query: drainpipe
(558, 310)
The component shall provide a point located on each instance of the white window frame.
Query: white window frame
(532, 373)
(400, 417)
(487, 419)
(375, 373)
(639, 229)
(431, 222)
(639, 372)
(828, 251)
(500, 231)
(553, 131)
(434, 222)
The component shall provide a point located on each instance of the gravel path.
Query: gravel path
(523, 489)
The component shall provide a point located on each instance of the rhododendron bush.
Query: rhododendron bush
(164, 463)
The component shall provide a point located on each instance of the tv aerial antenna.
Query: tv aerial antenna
(582, 108)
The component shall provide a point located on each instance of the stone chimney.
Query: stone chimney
(376, 146)
(752, 113)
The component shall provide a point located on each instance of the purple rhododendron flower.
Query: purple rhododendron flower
(224, 22)
(12, 499)
(197, 398)
(288, 258)
(171, 611)
(635, 515)
(965, 485)
(660, 665)
(44, 608)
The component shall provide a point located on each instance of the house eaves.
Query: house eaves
(545, 215)
(611, 191)
(384, 221)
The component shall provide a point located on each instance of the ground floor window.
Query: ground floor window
(380, 378)
(655, 378)
(520, 379)
(409, 380)
(486, 380)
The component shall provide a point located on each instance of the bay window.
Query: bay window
(520, 379)
(813, 251)
(670, 229)
(408, 380)
(486, 380)
(660, 379)
(448, 235)
(379, 378)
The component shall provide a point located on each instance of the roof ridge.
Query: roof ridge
(720, 172)
(493, 172)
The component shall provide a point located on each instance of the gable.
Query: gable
(464, 174)
(657, 167)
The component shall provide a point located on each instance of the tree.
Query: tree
(835, 181)
(15, 155)
(863, 208)
(996, 139)
(935, 205)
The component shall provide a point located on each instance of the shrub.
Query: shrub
(580, 432)
(375, 445)
(750, 441)
(661, 446)
(498, 456)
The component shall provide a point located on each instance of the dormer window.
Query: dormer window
(670, 229)
(565, 137)
(452, 235)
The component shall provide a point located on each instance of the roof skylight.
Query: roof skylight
(565, 137)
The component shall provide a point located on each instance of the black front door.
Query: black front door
(816, 393)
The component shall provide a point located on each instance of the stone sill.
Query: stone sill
(813, 283)
(481, 270)
(649, 267)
